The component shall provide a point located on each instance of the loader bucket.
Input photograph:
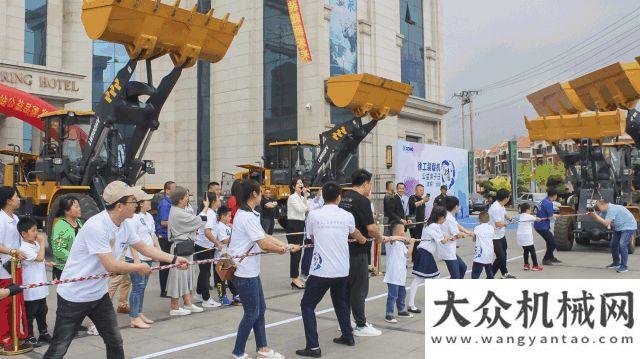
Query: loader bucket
(149, 28)
(593, 125)
(557, 99)
(368, 94)
(611, 87)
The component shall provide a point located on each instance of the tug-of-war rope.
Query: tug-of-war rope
(216, 260)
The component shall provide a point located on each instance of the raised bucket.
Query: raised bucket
(149, 28)
(368, 94)
(593, 125)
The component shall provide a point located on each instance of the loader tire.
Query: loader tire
(563, 233)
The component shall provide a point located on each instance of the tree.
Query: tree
(501, 182)
(543, 172)
(557, 182)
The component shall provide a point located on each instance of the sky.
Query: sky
(508, 49)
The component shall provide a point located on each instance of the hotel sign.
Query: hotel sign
(46, 83)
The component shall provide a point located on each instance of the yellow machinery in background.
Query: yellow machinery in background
(317, 163)
(90, 150)
(594, 111)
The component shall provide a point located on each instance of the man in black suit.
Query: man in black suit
(393, 208)
(388, 197)
(417, 206)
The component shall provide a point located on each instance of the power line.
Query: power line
(567, 51)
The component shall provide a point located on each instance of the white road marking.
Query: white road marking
(271, 325)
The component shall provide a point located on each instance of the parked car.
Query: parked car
(534, 200)
(477, 203)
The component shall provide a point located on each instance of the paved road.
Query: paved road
(211, 334)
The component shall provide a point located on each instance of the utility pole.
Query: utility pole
(466, 98)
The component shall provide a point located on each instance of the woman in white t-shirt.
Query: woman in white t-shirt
(207, 244)
(145, 228)
(248, 236)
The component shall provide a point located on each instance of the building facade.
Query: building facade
(225, 114)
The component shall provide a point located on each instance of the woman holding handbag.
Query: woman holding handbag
(247, 237)
(182, 233)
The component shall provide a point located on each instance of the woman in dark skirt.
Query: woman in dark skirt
(424, 266)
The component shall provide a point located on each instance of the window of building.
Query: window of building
(412, 138)
(108, 59)
(412, 58)
(35, 32)
(280, 76)
(27, 135)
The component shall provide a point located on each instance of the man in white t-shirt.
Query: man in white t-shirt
(96, 250)
(498, 220)
(330, 227)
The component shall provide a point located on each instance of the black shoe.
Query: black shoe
(547, 262)
(32, 341)
(555, 260)
(414, 310)
(405, 314)
(344, 341)
(313, 353)
(163, 295)
(44, 337)
(295, 286)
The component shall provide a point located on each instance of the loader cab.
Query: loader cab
(65, 136)
(291, 159)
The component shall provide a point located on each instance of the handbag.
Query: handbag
(226, 267)
(184, 248)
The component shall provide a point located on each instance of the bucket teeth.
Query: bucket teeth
(149, 28)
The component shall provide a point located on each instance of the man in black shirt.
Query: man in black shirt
(441, 200)
(268, 212)
(386, 203)
(356, 202)
(417, 211)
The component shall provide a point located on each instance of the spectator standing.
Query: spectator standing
(441, 200)
(268, 213)
(10, 241)
(162, 221)
(417, 210)
(182, 232)
(386, 204)
(66, 225)
(296, 215)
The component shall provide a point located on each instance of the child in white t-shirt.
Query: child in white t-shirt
(33, 271)
(223, 233)
(524, 236)
(483, 256)
(396, 273)
(447, 249)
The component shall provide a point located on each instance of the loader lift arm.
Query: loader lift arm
(363, 94)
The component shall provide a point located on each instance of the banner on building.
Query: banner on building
(299, 32)
(434, 166)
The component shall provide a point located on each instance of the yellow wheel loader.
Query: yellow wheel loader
(596, 111)
(317, 163)
(89, 150)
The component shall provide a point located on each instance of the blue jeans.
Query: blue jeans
(254, 306)
(620, 247)
(457, 268)
(138, 285)
(314, 291)
(477, 268)
(306, 258)
(396, 294)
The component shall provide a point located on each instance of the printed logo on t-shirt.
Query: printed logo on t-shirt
(316, 261)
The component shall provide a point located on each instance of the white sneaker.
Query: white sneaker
(210, 304)
(92, 330)
(196, 298)
(179, 311)
(271, 354)
(353, 326)
(193, 308)
(367, 331)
